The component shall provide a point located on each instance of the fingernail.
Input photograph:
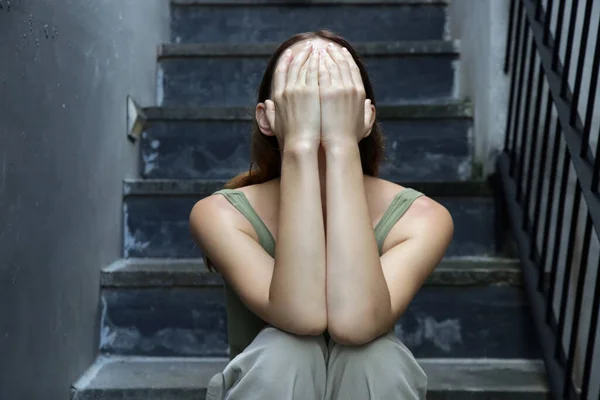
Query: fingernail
(288, 52)
(345, 49)
(308, 43)
(331, 45)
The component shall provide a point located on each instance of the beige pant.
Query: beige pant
(281, 366)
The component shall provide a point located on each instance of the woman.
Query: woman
(313, 317)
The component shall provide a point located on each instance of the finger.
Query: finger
(342, 63)
(297, 64)
(270, 113)
(312, 73)
(281, 71)
(368, 115)
(324, 77)
(354, 70)
(334, 72)
(304, 71)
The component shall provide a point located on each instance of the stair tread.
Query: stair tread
(144, 272)
(417, 47)
(131, 373)
(451, 109)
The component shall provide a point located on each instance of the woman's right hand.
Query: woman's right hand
(294, 112)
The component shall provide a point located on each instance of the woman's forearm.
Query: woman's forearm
(298, 283)
(357, 293)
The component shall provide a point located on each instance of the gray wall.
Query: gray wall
(481, 26)
(65, 70)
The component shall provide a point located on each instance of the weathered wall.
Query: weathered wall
(481, 26)
(65, 70)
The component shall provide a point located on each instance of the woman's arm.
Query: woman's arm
(366, 293)
(287, 291)
(357, 296)
(298, 285)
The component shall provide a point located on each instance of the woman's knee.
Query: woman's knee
(383, 361)
(280, 348)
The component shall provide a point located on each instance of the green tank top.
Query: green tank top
(242, 324)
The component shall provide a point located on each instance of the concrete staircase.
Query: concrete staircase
(163, 331)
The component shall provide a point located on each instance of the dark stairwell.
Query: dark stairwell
(163, 317)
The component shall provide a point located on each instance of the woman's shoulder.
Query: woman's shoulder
(423, 208)
(261, 197)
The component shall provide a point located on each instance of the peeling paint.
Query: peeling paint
(107, 336)
(443, 334)
(132, 241)
(149, 162)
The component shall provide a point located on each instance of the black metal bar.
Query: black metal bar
(585, 30)
(538, 9)
(540, 187)
(558, 233)
(547, 18)
(554, 370)
(509, 41)
(558, 32)
(567, 274)
(508, 134)
(569, 45)
(524, 129)
(571, 134)
(595, 185)
(587, 235)
(589, 112)
(531, 157)
(519, 98)
(591, 342)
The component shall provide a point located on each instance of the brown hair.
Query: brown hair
(265, 159)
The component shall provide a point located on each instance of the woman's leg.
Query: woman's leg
(381, 369)
(276, 366)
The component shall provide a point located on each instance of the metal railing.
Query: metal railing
(550, 174)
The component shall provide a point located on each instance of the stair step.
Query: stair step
(423, 142)
(203, 74)
(156, 216)
(119, 378)
(177, 308)
(248, 21)
(149, 272)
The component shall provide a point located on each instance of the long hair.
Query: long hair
(265, 158)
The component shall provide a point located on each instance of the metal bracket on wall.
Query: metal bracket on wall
(136, 119)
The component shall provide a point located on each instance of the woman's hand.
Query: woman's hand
(294, 112)
(346, 115)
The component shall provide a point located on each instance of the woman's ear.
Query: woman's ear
(265, 117)
(370, 114)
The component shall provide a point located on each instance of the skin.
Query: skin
(326, 272)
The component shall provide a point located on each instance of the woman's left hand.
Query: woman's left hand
(345, 112)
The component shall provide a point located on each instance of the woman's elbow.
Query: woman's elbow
(352, 331)
(311, 330)
(307, 323)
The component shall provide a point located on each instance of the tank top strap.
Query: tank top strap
(399, 205)
(239, 200)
